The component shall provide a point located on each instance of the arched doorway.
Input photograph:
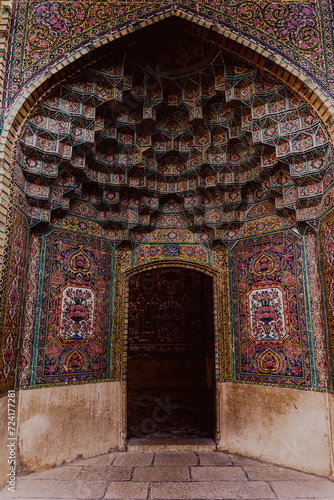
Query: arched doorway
(99, 195)
(171, 358)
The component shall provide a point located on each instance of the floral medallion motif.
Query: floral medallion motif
(75, 361)
(264, 265)
(77, 313)
(11, 306)
(300, 16)
(271, 341)
(317, 308)
(74, 331)
(47, 14)
(13, 297)
(327, 249)
(79, 262)
(269, 361)
(18, 245)
(8, 355)
(266, 312)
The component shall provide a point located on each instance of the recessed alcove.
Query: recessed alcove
(170, 356)
(168, 159)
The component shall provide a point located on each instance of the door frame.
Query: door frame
(220, 343)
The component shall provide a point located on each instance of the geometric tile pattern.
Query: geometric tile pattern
(327, 255)
(12, 303)
(271, 341)
(207, 146)
(68, 323)
(316, 300)
(31, 307)
(169, 158)
(72, 342)
(271, 345)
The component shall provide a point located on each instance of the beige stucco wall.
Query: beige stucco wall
(331, 426)
(59, 424)
(284, 426)
(3, 441)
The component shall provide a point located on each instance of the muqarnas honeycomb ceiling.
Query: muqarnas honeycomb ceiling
(171, 133)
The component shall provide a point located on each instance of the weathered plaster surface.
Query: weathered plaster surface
(330, 400)
(3, 441)
(60, 424)
(278, 425)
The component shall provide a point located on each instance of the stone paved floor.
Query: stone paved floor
(171, 475)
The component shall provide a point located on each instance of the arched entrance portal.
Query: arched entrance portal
(204, 148)
(171, 359)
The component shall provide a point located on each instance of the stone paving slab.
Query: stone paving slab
(157, 473)
(170, 475)
(218, 474)
(106, 474)
(213, 458)
(134, 458)
(61, 473)
(131, 491)
(46, 488)
(175, 458)
(212, 490)
(176, 444)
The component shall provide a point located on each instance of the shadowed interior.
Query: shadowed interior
(171, 354)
